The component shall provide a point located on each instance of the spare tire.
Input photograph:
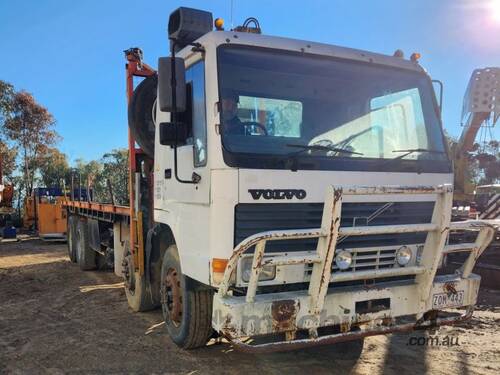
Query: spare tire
(142, 114)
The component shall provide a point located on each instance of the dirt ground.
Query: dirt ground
(55, 319)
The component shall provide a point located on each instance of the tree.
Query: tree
(30, 127)
(485, 162)
(480, 166)
(6, 95)
(112, 167)
(7, 154)
(85, 174)
(7, 159)
(116, 171)
(54, 168)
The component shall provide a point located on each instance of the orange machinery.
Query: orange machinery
(6, 195)
(43, 211)
(6, 209)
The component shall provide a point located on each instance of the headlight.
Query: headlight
(267, 272)
(403, 255)
(343, 260)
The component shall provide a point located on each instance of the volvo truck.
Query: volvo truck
(283, 193)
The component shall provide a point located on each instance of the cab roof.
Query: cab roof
(215, 38)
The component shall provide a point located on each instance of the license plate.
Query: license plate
(442, 300)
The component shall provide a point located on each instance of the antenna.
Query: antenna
(232, 26)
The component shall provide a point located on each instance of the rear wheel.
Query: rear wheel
(186, 305)
(137, 289)
(86, 256)
(72, 246)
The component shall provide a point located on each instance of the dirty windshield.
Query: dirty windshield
(313, 109)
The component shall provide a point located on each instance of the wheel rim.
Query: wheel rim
(128, 273)
(172, 297)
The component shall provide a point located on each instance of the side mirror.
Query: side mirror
(173, 134)
(167, 102)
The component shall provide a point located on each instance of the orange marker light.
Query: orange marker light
(219, 24)
(219, 265)
(415, 56)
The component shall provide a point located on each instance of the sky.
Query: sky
(68, 54)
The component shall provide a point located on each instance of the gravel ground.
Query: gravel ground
(55, 318)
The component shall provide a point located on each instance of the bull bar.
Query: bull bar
(285, 307)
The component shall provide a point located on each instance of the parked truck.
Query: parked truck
(294, 192)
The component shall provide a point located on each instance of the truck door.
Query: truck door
(191, 157)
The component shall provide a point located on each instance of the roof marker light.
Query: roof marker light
(415, 56)
(219, 24)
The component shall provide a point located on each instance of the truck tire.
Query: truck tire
(141, 114)
(72, 246)
(137, 289)
(186, 305)
(86, 256)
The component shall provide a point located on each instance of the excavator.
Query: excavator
(481, 110)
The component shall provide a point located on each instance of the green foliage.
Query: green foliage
(30, 127)
(54, 168)
(8, 157)
(110, 170)
(115, 169)
(7, 153)
(6, 94)
(480, 166)
(485, 161)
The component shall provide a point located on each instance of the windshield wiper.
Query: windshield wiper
(354, 136)
(413, 150)
(322, 148)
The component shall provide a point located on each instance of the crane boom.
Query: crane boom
(481, 106)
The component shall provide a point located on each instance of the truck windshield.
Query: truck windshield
(280, 108)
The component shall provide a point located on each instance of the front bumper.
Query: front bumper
(290, 312)
(356, 311)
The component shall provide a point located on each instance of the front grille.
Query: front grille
(370, 252)
(365, 260)
(252, 218)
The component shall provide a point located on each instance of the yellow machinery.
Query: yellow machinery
(481, 107)
(6, 210)
(44, 212)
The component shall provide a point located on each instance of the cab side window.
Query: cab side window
(195, 77)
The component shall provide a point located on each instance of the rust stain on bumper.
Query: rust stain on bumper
(284, 314)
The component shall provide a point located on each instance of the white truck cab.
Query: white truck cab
(331, 116)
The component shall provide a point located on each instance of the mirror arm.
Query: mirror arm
(173, 117)
(441, 89)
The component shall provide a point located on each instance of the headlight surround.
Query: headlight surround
(343, 260)
(267, 273)
(403, 255)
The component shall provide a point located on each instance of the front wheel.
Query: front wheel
(186, 304)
